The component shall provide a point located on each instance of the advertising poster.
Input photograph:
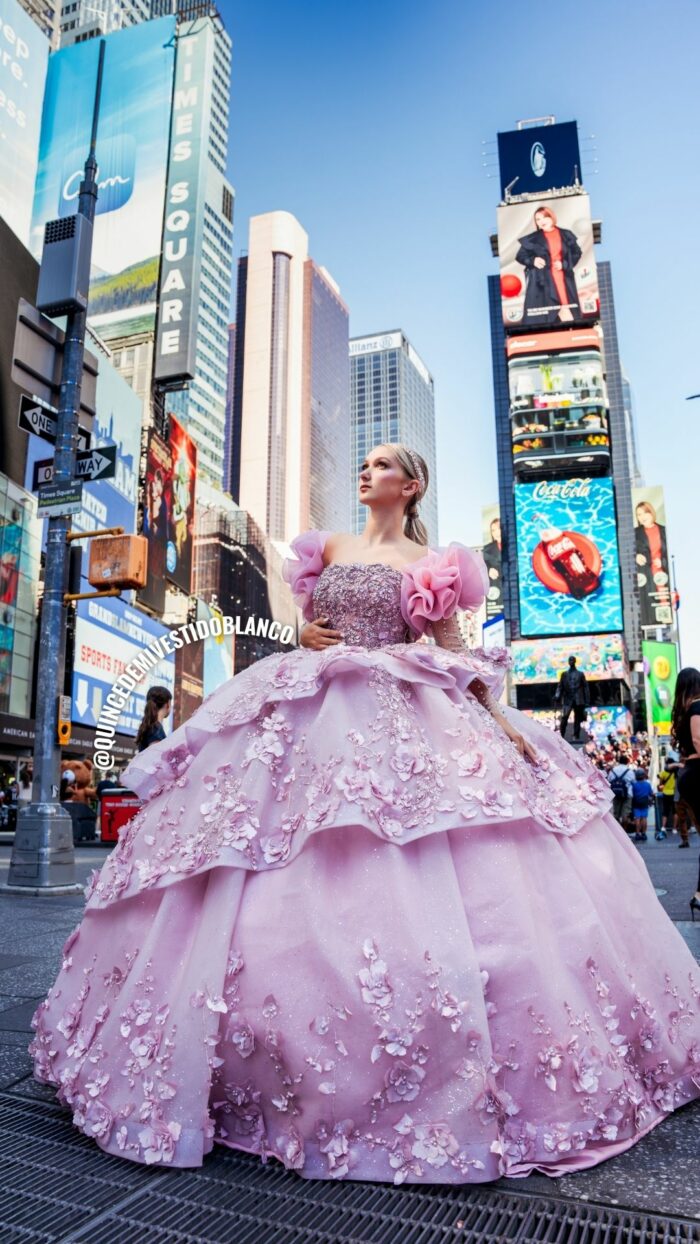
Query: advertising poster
(558, 404)
(218, 652)
(652, 556)
(661, 669)
(132, 154)
(24, 53)
(181, 508)
(539, 158)
(545, 660)
(602, 720)
(568, 561)
(156, 520)
(492, 553)
(189, 682)
(110, 635)
(548, 271)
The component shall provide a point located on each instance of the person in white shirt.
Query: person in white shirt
(621, 778)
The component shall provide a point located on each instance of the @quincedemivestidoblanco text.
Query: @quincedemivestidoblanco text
(189, 632)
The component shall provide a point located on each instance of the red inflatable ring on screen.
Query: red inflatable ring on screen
(543, 568)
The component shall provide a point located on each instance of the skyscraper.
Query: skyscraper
(290, 425)
(391, 399)
(87, 19)
(46, 15)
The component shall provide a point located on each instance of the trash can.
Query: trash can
(117, 807)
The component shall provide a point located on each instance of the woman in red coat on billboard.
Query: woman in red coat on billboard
(549, 256)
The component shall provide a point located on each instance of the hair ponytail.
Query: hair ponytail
(156, 699)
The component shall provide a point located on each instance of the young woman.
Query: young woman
(549, 255)
(685, 735)
(158, 705)
(370, 921)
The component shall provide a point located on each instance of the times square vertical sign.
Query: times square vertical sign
(183, 225)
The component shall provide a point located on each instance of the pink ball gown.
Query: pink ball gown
(351, 928)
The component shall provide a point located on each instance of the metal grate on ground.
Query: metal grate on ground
(57, 1187)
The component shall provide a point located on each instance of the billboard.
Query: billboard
(541, 157)
(181, 507)
(24, 53)
(492, 555)
(661, 669)
(568, 561)
(548, 271)
(558, 406)
(109, 634)
(156, 519)
(174, 357)
(545, 660)
(652, 557)
(132, 155)
(602, 720)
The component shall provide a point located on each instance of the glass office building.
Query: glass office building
(326, 407)
(391, 399)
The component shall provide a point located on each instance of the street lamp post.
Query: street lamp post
(43, 856)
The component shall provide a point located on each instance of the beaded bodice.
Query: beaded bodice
(363, 602)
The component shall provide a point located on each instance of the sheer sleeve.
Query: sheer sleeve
(446, 633)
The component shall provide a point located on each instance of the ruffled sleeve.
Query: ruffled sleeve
(440, 583)
(302, 571)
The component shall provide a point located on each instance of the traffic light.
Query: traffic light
(63, 726)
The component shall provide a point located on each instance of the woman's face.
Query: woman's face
(645, 515)
(544, 221)
(163, 712)
(382, 480)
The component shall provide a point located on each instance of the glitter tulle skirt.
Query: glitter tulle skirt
(352, 929)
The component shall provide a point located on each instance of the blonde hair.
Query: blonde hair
(414, 528)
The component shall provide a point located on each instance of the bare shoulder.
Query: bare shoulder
(335, 545)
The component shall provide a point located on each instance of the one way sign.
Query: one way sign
(97, 464)
(41, 421)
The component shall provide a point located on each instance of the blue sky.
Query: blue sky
(367, 120)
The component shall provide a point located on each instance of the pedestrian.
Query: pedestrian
(24, 791)
(642, 797)
(323, 938)
(621, 778)
(158, 705)
(685, 735)
(572, 693)
(666, 782)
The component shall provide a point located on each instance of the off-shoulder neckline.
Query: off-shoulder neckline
(386, 566)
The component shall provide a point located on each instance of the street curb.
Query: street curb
(43, 891)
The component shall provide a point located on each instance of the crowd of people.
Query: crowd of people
(641, 787)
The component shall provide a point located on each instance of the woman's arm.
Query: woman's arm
(447, 634)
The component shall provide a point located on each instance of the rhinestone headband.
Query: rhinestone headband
(417, 470)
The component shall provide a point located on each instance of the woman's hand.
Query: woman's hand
(539, 262)
(526, 749)
(316, 635)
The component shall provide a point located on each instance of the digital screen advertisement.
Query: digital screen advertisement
(568, 561)
(24, 53)
(548, 270)
(132, 154)
(652, 556)
(539, 157)
(545, 660)
(492, 553)
(181, 508)
(661, 670)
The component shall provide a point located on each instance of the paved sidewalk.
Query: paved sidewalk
(59, 1187)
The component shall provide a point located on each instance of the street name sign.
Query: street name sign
(57, 500)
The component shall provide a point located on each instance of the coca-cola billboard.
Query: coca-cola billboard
(568, 560)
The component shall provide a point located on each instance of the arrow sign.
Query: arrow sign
(96, 464)
(41, 421)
